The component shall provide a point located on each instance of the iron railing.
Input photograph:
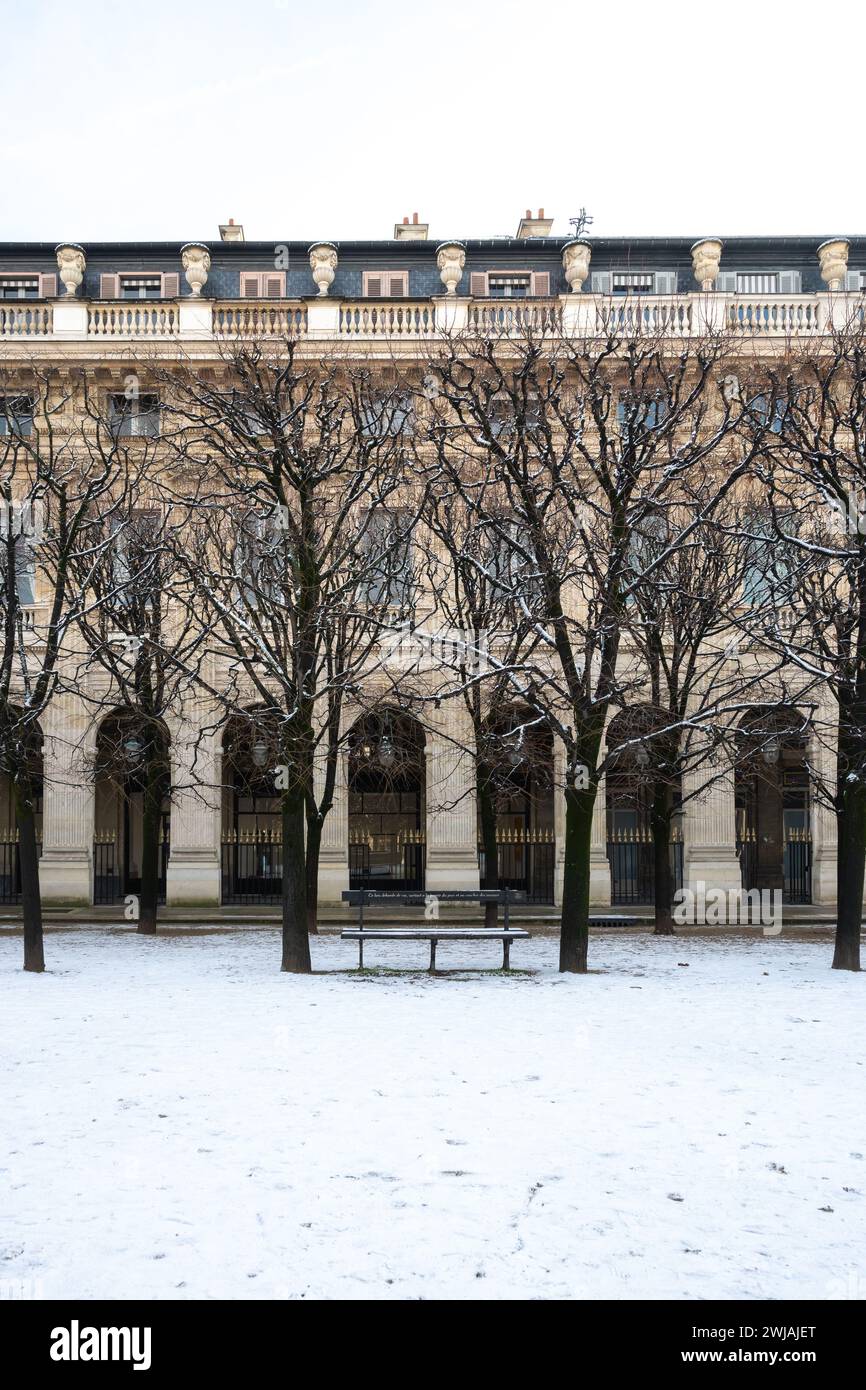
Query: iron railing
(406, 872)
(252, 867)
(525, 861)
(631, 855)
(796, 864)
(10, 867)
(109, 884)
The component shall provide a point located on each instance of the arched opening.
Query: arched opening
(772, 795)
(642, 767)
(131, 752)
(252, 835)
(30, 751)
(517, 759)
(386, 803)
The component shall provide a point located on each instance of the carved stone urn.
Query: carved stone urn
(576, 256)
(833, 260)
(706, 256)
(195, 259)
(71, 262)
(450, 260)
(323, 264)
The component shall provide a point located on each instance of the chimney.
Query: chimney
(232, 231)
(410, 231)
(534, 226)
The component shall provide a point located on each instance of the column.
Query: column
(710, 828)
(334, 850)
(65, 869)
(193, 876)
(452, 831)
(821, 755)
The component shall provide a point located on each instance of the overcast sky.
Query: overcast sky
(332, 120)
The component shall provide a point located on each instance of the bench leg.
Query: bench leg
(506, 955)
(432, 954)
(360, 955)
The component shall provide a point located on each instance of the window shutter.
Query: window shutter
(541, 283)
(601, 282)
(665, 282)
(397, 286)
(48, 286)
(170, 286)
(108, 287)
(373, 286)
(249, 286)
(789, 282)
(478, 284)
(273, 286)
(854, 281)
(726, 281)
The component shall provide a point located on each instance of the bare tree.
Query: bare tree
(582, 441)
(50, 486)
(813, 614)
(291, 473)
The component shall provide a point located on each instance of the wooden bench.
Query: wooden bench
(367, 897)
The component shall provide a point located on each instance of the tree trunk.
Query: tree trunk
(851, 821)
(31, 900)
(314, 845)
(296, 939)
(487, 817)
(663, 895)
(151, 824)
(574, 931)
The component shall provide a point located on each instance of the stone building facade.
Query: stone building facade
(96, 305)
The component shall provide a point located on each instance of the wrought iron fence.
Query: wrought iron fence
(631, 855)
(252, 867)
(10, 866)
(109, 879)
(796, 864)
(525, 862)
(404, 874)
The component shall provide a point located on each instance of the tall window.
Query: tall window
(134, 417)
(16, 416)
(387, 549)
(637, 415)
(758, 284)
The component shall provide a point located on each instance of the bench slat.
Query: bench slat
(444, 934)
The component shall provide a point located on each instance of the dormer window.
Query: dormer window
(386, 284)
(19, 287)
(758, 284)
(141, 287)
(633, 282)
(33, 286)
(509, 286)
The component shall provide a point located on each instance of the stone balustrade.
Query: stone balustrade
(571, 316)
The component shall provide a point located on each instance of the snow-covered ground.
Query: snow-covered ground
(178, 1119)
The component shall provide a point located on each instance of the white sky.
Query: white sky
(160, 121)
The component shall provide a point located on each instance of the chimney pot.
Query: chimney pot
(540, 214)
(529, 214)
(405, 221)
(415, 218)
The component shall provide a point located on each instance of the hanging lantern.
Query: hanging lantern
(260, 753)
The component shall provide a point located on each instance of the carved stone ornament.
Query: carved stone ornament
(323, 264)
(71, 262)
(576, 256)
(450, 260)
(195, 259)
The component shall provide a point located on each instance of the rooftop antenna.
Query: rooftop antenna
(580, 223)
